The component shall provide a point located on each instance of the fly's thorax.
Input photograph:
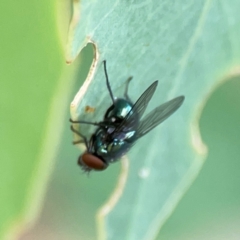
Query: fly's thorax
(110, 147)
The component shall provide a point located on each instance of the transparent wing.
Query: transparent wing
(138, 109)
(158, 115)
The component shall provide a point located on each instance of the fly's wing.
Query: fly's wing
(138, 109)
(158, 115)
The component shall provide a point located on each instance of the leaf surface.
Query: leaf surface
(189, 47)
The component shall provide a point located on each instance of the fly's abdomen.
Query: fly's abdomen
(117, 112)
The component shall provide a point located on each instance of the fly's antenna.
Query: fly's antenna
(108, 84)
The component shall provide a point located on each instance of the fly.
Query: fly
(121, 127)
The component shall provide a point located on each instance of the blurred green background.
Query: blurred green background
(32, 69)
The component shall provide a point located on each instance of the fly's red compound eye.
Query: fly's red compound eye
(92, 162)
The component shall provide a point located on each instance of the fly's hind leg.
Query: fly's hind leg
(126, 89)
(107, 81)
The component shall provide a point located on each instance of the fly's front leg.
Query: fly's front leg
(82, 136)
(78, 141)
(85, 122)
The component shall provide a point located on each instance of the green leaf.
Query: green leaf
(189, 48)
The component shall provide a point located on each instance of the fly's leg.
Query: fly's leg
(126, 89)
(86, 122)
(99, 124)
(107, 81)
(78, 141)
(80, 135)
